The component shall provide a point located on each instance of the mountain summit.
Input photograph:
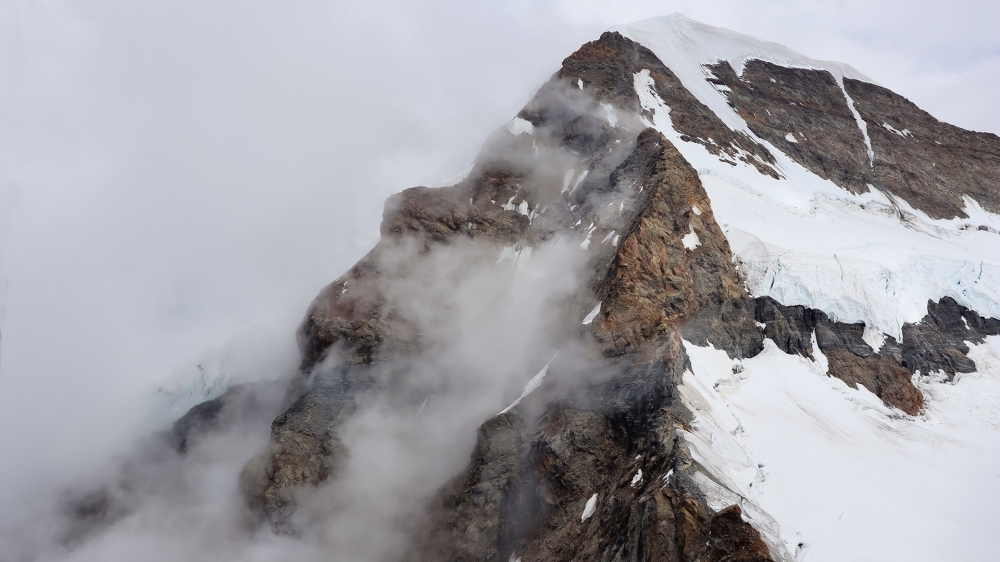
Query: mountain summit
(703, 299)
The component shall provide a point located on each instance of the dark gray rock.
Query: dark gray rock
(730, 326)
(304, 448)
(937, 342)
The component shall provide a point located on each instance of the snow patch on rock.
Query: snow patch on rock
(593, 314)
(590, 508)
(534, 383)
(519, 126)
(691, 240)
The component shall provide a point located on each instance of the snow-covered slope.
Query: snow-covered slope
(845, 477)
(685, 46)
(801, 239)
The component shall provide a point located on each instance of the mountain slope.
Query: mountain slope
(758, 294)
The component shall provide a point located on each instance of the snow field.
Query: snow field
(842, 474)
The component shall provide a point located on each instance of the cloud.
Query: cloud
(172, 173)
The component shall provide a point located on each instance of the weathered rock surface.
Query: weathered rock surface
(938, 341)
(923, 161)
(655, 281)
(596, 462)
(304, 446)
(529, 478)
(804, 113)
(609, 65)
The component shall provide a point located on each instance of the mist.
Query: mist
(176, 176)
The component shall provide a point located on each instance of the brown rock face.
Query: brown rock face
(936, 343)
(777, 102)
(850, 359)
(304, 448)
(609, 65)
(889, 380)
(805, 114)
(925, 162)
(655, 282)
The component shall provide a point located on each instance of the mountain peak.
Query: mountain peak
(676, 36)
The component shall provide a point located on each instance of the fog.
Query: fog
(177, 174)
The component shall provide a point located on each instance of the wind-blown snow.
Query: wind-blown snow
(861, 122)
(784, 437)
(904, 133)
(636, 479)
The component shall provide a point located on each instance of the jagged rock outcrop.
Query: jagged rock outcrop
(938, 341)
(609, 65)
(673, 260)
(634, 442)
(849, 357)
(304, 446)
(929, 164)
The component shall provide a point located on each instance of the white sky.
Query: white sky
(173, 171)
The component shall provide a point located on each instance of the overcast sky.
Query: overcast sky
(172, 172)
